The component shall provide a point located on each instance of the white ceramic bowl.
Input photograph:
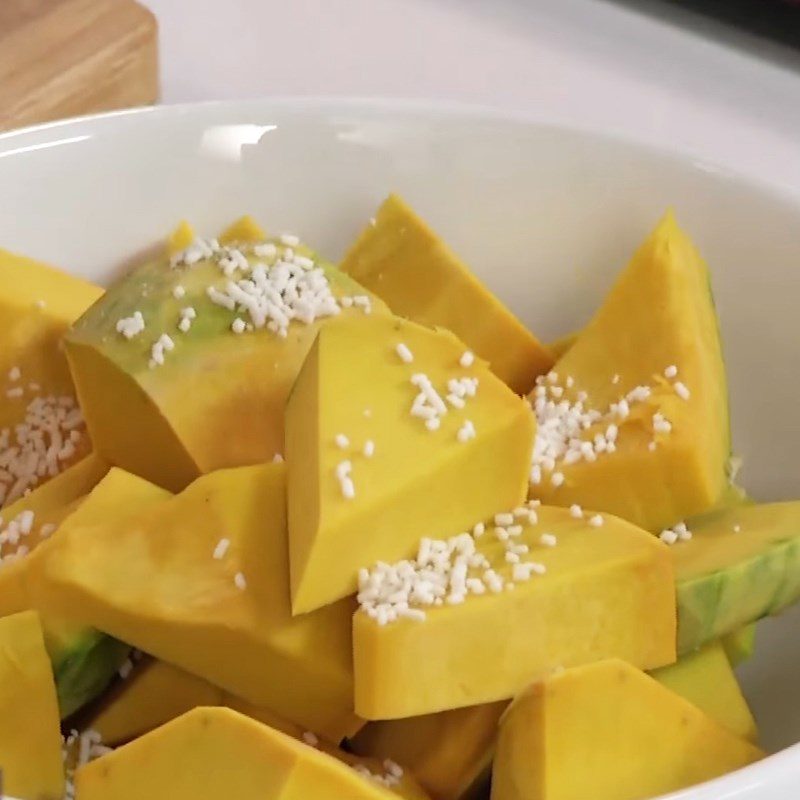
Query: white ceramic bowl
(545, 214)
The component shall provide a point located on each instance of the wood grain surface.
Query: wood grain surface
(62, 58)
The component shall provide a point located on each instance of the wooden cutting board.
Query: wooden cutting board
(61, 58)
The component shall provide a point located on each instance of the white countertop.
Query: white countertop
(590, 62)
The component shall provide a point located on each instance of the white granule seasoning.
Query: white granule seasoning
(467, 359)
(289, 240)
(671, 371)
(596, 521)
(132, 326)
(15, 393)
(77, 750)
(163, 345)
(240, 581)
(737, 528)
(557, 479)
(466, 432)
(221, 549)
(575, 511)
(388, 779)
(369, 448)
(361, 301)
(661, 424)
(668, 536)
(548, 540)
(615, 379)
(40, 445)
(456, 401)
(344, 475)
(178, 292)
(341, 441)
(681, 390)
(677, 533)
(277, 458)
(238, 325)
(14, 374)
(269, 295)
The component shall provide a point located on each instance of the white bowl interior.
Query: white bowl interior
(545, 215)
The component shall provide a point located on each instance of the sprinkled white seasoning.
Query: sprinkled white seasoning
(466, 432)
(661, 424)
(341, 441)
(615, 380)
(289, 240)
(402, 350)
(467, 359)
(596, 521)
(15, 393)
(668, 536)
(221, 549)
(681, 390)
(557, 478)
(369, 448)
(310, 739)
(651, 446)
(179, 292)
(238, 325)
(14, 374)
(479, 530)
(344, 475)
(576, 511)
(46, 438)
(737, 528)
(240, 581)
(132, 326)
(433, 424)
(671, 371)
(548, 540)
(277, 458)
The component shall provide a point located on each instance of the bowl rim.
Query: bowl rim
(402, 107)
(775, 766)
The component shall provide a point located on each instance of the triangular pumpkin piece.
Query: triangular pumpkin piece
(393, 431)
(634, 418)
(609, 732)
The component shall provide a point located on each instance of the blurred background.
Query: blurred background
(719, 78)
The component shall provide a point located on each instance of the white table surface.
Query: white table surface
(595, 63)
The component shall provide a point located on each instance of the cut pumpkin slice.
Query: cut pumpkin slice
(609, 732)
(201, 582)
(155, 692)
(30, 736)
(211, 753)
(601, 591)
(84, 660)
(705, 678)
(449, 753)
(634, 418)
(741, 564)
(406, 264)
(215, 323)
(38, 303)
(389, 437)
